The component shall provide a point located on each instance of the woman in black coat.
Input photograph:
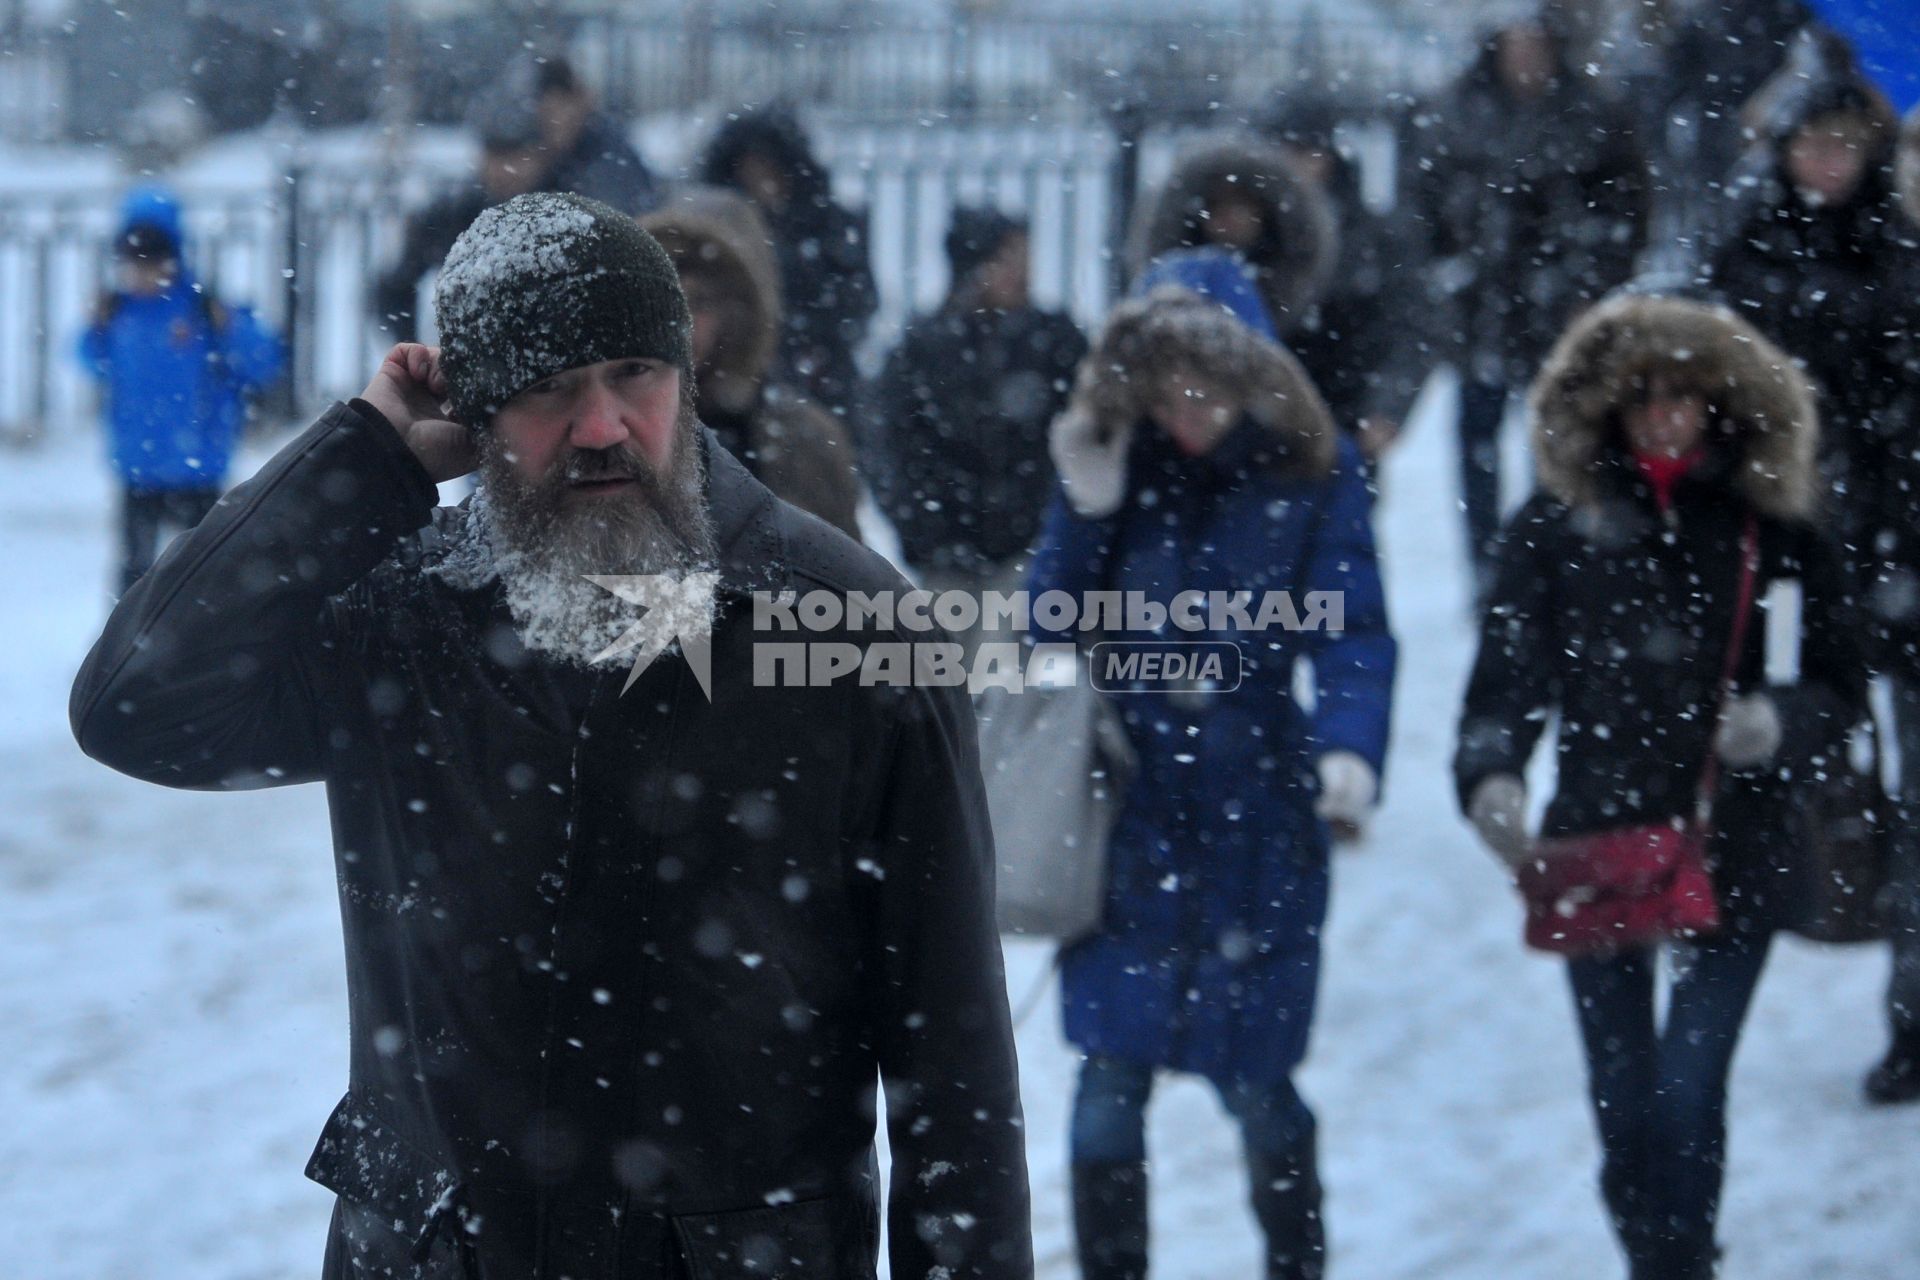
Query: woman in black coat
(1811, 244)
(1661, 428)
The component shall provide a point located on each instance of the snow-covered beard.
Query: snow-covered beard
(541, 546)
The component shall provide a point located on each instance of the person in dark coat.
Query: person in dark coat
(1660, 427)
(962, 409)
(1811, 245)
(1243, 194)
(1197, 456)
(822, 246)
(511, 163)
(1355, 343)
(174, 365)
(1893, 598)
(630, 951)
(1532, 193)
(719, 246)
(585, 151)
(1714, 58)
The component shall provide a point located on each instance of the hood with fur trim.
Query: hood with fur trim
(722, 237)
(1605, 357)
(1819, 77)
(1176, 329)
(1294, 261)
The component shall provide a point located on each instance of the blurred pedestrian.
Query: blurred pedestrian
(1809, 243)
(1891, 592)
(1243, 194)
(175, 365)
(1713, 58)
(961, 413)
(512, 162)
(1355, 343)
(585, 150)
(825, 277)
(718, 244)
(1196, 455)
(1674, 444)
(1532, 193)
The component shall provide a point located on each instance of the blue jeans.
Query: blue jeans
(1109, 1135)
(1660, 1093)
(1109, 1114)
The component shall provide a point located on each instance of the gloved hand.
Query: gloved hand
(1348, 789)
(1498, 811)
(1091, 460)
(1749, 731)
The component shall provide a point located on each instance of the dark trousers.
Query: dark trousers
(145, 514)
(1483, 408)
(1660, 1093)
(1903, 878)
(1109, 1136)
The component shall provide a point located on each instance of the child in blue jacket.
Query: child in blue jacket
(174, 366)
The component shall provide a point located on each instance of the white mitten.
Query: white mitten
(1749, 731)
(1093, 471)
(1498, 811)
(1348, 788)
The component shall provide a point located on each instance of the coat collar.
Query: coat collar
(753, 549)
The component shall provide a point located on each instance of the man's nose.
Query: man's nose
(598, 422)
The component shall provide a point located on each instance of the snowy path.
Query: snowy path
(173, 1008)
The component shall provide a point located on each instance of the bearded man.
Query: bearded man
(625, 964)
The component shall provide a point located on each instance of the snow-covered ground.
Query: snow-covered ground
(173, 1014)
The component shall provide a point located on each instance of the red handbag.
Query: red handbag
(1630, 886)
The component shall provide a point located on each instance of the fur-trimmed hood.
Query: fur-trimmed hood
(721, 235)
(1756, 390)
(1296, 259)
(775, 132)
(1176, 329)
(1819, 77)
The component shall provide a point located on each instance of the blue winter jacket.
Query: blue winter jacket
(1208, 958)
(174, 370)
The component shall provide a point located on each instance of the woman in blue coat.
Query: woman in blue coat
(174, 367)
(1196, 455)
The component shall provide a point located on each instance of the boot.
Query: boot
(1897, 1078)
(1110, 1219)
(1286, 1203)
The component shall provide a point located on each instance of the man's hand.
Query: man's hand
(411, 392)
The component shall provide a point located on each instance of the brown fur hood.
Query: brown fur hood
(1600, 362)
(721, 234)
(1146, 338)
(1294, 263)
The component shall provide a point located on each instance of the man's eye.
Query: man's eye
(635, 368)
(544, 388)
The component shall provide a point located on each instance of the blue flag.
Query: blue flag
(1886, 36)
